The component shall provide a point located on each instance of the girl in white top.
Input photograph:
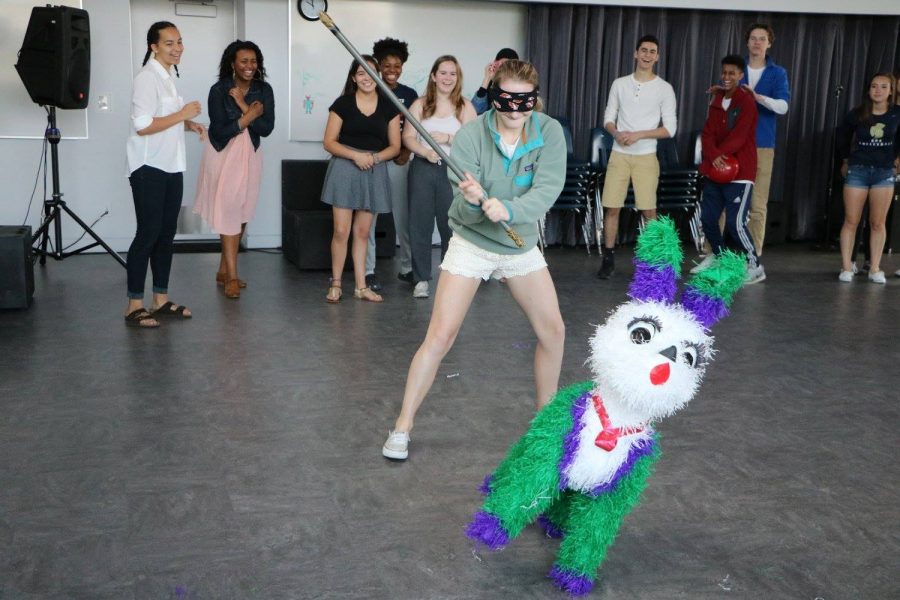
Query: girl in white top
(156, 162)
(442, 111)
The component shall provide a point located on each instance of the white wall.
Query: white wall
(93, 174)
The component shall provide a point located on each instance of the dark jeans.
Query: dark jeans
(430, 196)
(157, 201)
(734, 199)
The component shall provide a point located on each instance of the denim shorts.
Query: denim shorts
(864, 176)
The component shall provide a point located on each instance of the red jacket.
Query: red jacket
(731, 132)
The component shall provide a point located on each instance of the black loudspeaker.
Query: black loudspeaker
(16, 267)
(55, 59)
(306, 238)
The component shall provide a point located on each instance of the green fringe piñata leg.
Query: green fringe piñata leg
(591, 527)
(527, 481)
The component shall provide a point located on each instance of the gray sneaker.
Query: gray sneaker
(421, 290)
(704, 264)
(396, 446)
(754, 275)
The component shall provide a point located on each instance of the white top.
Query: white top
(637, 106)
(509, 149)
(449, 125)
(154, 95)
(753, 76)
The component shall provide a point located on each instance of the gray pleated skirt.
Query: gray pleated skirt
(346, 186)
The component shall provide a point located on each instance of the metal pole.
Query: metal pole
(329, 23)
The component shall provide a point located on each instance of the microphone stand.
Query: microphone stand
(829, 193)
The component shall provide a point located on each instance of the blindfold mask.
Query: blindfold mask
(505, 101)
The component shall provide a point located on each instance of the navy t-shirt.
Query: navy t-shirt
(360, 131)
(407, 96)
(873, 143)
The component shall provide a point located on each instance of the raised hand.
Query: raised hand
(238, 95)
(191, 110)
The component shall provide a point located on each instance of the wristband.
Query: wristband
(376, 158)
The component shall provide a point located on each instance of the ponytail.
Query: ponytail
(153, 38)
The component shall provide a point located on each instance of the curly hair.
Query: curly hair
(390, 47)
(226, 65)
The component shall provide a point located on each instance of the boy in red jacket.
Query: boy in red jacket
(730, 130)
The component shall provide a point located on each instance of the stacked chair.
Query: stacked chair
(580, 195)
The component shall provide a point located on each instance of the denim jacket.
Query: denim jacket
(224, 113)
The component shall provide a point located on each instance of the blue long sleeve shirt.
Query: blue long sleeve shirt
(774, 84)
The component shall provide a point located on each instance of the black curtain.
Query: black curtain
(579, 50)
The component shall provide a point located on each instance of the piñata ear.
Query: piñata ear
(657, 263)
(709, 293)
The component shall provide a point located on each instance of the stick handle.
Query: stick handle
(329, 23)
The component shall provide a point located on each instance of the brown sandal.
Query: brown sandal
(222, 278)
(367, 294)
(233, 289)
(334, 291)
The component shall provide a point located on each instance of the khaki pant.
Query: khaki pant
(758, 205)
(756, 222)
(641, 170)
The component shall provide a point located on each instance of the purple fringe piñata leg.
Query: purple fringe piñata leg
(572, 583)
(549, 528)
(485, 487)
(487, 529)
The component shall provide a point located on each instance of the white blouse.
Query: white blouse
(154, 95)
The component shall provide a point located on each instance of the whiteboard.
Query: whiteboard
(471, 31)
(19, 116)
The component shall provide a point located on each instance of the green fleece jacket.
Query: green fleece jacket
(528, 183)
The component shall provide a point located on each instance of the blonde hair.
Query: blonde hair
(518, 70)
(429, 105)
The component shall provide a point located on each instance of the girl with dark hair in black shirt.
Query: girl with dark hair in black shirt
(362, 134)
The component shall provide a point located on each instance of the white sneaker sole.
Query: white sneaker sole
(394, 454)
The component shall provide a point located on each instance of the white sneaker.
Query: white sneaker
(847, 276)
(754, 274)
(421, 290)
(396, 446)
(705, 263)
(897, 273)
(877, 277)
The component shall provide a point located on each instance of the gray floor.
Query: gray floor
(237, 455)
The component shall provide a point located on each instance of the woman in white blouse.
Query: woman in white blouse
(156, 163)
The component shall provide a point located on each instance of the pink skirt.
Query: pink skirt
(228, 184)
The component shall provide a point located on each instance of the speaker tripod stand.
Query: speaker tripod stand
(55, 206)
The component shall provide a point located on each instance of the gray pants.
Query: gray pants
(430, 196)
(397, 176)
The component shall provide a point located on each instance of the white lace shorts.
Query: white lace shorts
(468, 260)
